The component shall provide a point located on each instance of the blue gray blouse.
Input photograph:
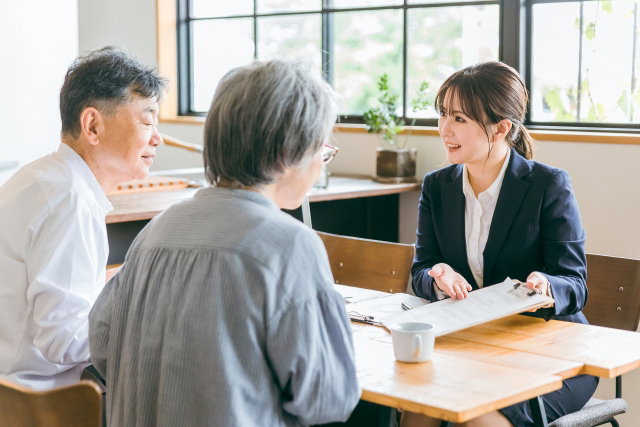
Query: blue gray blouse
(224, 314)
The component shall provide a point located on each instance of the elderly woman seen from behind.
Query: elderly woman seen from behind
(224, 312)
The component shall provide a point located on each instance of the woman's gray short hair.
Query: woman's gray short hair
(265, 117)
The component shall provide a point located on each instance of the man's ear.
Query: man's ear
(91, 125)
(502, 128)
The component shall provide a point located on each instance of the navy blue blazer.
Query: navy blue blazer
(536, 227)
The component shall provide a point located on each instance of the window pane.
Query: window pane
(443, 40)
(344, 4)
(215, 8)
(367, 45)
(296, 38)
(589, 85)
(271, 6)
(212, 59)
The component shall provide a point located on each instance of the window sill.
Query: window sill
(546, 135)
(539, 135)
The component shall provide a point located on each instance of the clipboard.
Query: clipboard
(481, 306)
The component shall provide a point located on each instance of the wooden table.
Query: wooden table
(491, 366)
(143, 206)
(352, 206)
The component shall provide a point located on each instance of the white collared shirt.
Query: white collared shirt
(478, 214)
(53, 253)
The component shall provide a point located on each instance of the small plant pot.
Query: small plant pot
(396, 165)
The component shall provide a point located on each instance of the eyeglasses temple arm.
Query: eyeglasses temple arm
(306, 212)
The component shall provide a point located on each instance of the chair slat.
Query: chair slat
(369, 264)
(78, 405)
(614, 292)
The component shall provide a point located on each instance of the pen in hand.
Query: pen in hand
(406, 306)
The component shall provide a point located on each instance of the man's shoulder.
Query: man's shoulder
(45, 185)
(62, 186)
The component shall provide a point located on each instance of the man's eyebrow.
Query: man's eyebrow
(151, 109)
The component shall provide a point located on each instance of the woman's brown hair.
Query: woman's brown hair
(488, 93)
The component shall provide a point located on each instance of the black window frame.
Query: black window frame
(515, 49)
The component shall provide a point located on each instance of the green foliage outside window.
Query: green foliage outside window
(563, 102)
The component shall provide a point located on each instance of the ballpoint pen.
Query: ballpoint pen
(406, 306)
(357, 317)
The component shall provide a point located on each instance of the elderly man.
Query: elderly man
(53, 239)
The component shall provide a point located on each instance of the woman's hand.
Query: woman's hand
(538, 281)
(450, 282)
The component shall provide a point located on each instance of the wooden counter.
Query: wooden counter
(136, 207)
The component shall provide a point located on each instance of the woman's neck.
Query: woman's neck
(483, 174)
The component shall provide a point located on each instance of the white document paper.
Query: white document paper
(381, 307)
(354, 295)
(482, 305)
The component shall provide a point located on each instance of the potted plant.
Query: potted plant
(395, 163)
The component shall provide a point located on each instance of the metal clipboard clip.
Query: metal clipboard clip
(530, 293)
(361, 318)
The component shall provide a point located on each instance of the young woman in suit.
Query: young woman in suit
(496, 213)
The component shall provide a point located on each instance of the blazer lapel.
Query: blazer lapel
(453, 203)
(511, 196)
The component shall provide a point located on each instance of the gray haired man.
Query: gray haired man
(53, 239)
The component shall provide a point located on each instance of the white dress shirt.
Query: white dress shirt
(478, 214)
(53, 253)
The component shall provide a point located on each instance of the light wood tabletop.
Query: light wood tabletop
(603, 352)
(484, 353)
(142, 206)
(488, 367)
(449, 387)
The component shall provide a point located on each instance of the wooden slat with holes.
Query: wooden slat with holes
(484, 353)
(136, 207)
(447, 387)
(149, 184)
(604, 352)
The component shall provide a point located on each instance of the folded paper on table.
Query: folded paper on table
(481, 306)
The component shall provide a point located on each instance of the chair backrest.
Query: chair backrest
(614, 292)
(369, 264)
(78, 405)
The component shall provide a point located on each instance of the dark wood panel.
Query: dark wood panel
(614, 292)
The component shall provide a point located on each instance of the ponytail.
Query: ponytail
(523, 143)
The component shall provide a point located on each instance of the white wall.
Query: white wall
(606, 178)
(38, 41)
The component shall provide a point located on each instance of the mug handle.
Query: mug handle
(417, 345)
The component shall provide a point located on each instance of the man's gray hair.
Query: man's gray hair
(265, 117)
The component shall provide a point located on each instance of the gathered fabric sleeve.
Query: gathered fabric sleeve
(563, 247)
(310, 348)
(427, 250)
(100, 326)
(66, 261)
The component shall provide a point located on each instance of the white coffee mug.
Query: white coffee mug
(413, 342)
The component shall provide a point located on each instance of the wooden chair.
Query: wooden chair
(78, 405)
(369, 264)
(614, 302)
